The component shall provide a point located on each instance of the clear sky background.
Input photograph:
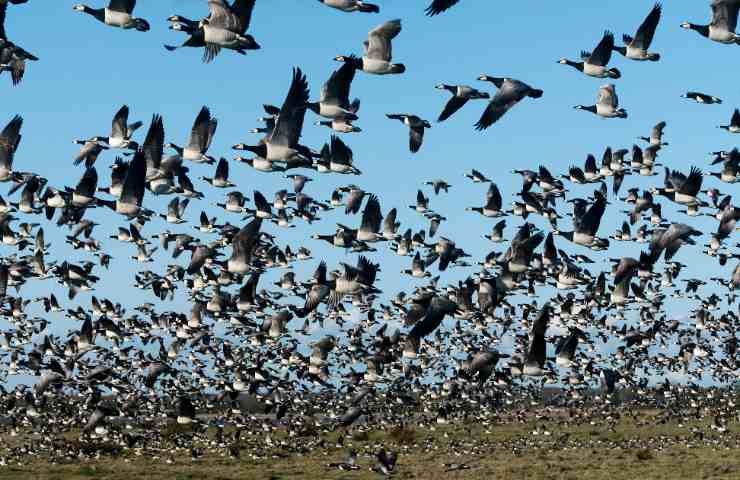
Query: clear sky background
(87, 71)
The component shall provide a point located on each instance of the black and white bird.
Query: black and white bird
(460, 96)
(510, 92)
(701, 98)
(607, 104)
(724, 22)
(352, 6)
(637, 48)
(378, 56)
(734, 126)
(118, 13)
(595, 64)
(416, 128)
(12, 57)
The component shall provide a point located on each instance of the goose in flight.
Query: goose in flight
(607, 104)
(12, 57)
(724, 22)
(416, 128)
(510, 92)
(118, 13)
(121, 131)
(637, 48)
(378, 51)
(439, 6)
(351, 6)
(594, 64)
(460, 96)
(226, 27)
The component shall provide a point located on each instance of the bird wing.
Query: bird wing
(453, 105)
(439, 6)
(199, 132)
(222, 16)
(125, 6)
(154, 143)
(724, 14)
(735, 120)
(120, 121)
(603, 51)
(506, 97)
(243, 11)
(607, 96)
(10, 137)
(371, 216)
(289, 123)
(592, 219)
(644, 36)
(379, 40)
(493, 197)
(416, 136)
(135, 181)
(3, 11)
(222, 169)
(336, 90)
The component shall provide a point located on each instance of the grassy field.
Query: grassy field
(644, 446)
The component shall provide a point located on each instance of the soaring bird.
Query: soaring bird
(510, 92)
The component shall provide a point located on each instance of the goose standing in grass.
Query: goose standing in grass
(351, 6)
(118, 13)
(121, 131)
(724, 22)
(460, 96)
(439, 6)
(12, 57)
(734, 126)
(378, 51)
(607, 104)
(594, 64)
(701, 98)
(637, 48)
(334, 103)
(416, 128)
(510, 92)
(226, 27)
(201, 136)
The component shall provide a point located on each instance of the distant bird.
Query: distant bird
(510, 92)
(416, 128)
(724, 22)
(594, 64)
(637, 48)
(439, 6)
(121, 131)
(201, 136)
(378, 51)
(12, 57)
(656, 135)
(607, 104)
(734, 126)
(701, 98)
(460, 96)
(351, 6)
(118, 13)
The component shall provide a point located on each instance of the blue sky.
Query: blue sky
(87, 71)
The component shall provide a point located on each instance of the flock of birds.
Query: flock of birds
(242, 334)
